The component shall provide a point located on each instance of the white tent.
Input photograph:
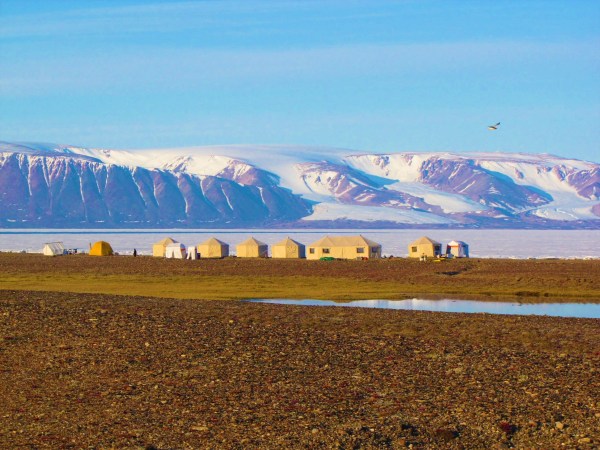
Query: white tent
(457, 249)
(192, 252)
(53, 249)
(175, 250)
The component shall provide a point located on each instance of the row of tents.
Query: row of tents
(335, 247)
(328, 247)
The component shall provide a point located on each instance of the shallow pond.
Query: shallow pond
(585, 310)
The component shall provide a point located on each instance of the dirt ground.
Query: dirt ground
(531, 280)
(100, 371)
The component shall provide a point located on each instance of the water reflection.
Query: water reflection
(583, 310)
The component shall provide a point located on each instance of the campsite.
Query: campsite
(159, 342)
(326, 248)
(299, 225)
(160, 350)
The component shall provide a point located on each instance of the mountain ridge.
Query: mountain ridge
(48, 185)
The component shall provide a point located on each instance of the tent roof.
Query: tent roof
(166, 241)
(425, 240)
(287, 241)
(54, 244)
(101, 243)
(456, 243)
(176, 245)
(344, 241)
(213, 241)
(54, 247)
(252, 241)
(99, 247)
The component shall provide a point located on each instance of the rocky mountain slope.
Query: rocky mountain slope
(44, 185)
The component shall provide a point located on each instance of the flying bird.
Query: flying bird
(494, 127)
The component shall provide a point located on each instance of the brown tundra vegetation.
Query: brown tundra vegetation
(238, 278)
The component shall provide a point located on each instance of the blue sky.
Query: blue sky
(369, 75)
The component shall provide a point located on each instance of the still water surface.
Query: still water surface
(584, 310)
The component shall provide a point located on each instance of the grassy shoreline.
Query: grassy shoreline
(525, 281)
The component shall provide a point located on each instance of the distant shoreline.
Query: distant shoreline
(509, 244)
(148, 253)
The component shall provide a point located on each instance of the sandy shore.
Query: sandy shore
(104, 371)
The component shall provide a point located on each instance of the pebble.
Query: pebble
(262, 383)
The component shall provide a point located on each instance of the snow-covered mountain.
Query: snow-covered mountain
(45, 185)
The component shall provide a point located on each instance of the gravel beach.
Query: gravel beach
(101, 371)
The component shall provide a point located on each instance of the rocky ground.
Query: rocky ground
(98, 371)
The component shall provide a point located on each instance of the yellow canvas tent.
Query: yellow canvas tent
(159, 248)
(252, 248)
(344, 247)
(101, 248)
(288, 248)
(424, 247)
(213, 248)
